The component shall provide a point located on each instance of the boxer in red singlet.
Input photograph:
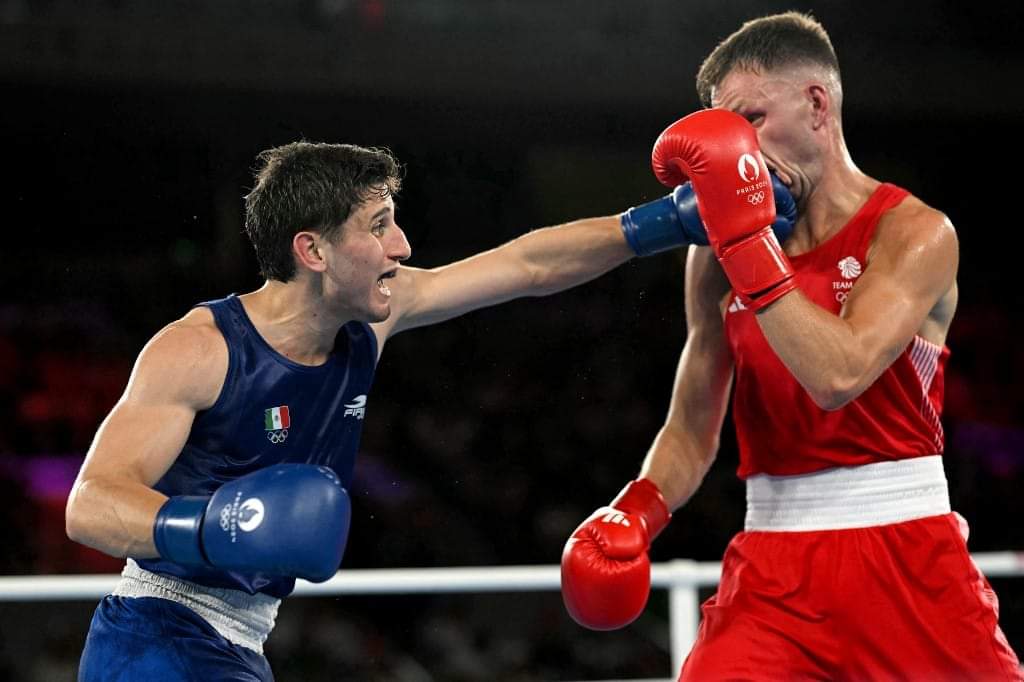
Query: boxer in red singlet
(851, 565)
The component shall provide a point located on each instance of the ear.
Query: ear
(821, 104)
(306, 248)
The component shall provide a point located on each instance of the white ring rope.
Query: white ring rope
(681, 577)
(667, 575)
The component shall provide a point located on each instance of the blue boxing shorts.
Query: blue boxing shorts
(159, 640)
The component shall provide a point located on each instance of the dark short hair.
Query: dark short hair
(311, 186)
(767, 43)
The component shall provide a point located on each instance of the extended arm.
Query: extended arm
(555, 258)
(536, 264)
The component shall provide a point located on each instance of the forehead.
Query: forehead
(741, 85)
(374, 204)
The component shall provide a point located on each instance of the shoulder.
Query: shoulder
(194, 337)
(185, 361)
(913, 226)
(916, 245)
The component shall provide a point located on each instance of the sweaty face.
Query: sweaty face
(781, 111)
(362, 258)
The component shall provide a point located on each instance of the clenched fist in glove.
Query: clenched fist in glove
(606, 574)
(717, 151)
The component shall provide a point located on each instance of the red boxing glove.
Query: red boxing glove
(717, 151)
(606, 574)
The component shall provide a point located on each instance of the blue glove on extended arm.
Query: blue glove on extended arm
(287, 519)
(673, 221)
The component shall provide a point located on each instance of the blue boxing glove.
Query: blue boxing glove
(287, 519)
(673, 221)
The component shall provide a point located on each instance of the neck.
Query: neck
(293, 319)
(839, 191)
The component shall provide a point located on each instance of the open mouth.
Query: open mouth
(381, 286)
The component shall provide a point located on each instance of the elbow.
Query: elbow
(540, 279)
(834, 396)
(74, 526)
(710, 453)
(538, 275)
(77, 515)
(831, 402)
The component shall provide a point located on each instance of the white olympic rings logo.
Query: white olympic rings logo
(755, 198)
(277, 436)
(225, 517)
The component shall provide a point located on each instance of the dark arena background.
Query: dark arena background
(129, 130)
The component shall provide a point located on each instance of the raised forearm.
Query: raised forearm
(821, 350)
(114, 516)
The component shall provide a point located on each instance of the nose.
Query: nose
(398, 248)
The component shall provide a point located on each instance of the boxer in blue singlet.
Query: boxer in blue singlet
(221, 473)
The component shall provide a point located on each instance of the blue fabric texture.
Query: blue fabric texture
(146, 639)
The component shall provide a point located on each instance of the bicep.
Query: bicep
(179, 372)
(909, 273)
(112, 505)
(139, 441)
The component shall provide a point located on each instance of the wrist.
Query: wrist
(663, 224)
(766, 298)
(177, 530)
(757, 267)
(643, 498)
(652, 227)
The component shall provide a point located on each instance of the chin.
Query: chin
(378, 315)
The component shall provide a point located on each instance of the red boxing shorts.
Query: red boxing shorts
(893, 600)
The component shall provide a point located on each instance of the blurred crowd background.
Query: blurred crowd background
(129, 130)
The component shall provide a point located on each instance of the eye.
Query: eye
(378, 229)
(756, 118)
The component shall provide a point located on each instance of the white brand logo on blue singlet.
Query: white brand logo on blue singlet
(356, 408)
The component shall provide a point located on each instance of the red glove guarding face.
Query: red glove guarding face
(606, 574)
(717, 151)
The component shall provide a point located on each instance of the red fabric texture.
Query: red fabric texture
(898, 602)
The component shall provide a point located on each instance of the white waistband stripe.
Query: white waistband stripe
(848, 497)
(242, 618)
